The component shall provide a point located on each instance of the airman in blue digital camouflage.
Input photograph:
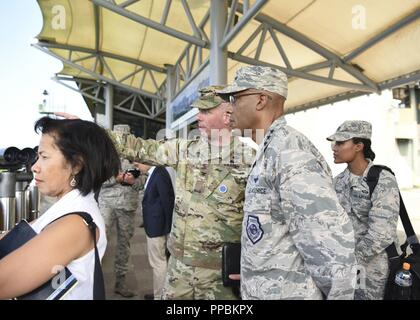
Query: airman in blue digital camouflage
(118, 201)
(375, 216)
(297, 241)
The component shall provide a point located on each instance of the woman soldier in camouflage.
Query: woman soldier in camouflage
(375, 216)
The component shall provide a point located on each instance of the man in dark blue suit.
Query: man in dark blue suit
(158, 204)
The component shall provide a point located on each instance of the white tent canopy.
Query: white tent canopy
(330, 49)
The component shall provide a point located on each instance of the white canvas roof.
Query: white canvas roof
(330, 49)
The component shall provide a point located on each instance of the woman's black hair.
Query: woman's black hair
(86, 144)
(367, 149)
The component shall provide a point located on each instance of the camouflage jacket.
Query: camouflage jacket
(297, 241)
(116, 196)
(209, 192)
(374, 217)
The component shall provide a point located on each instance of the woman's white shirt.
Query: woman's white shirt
(83, 267)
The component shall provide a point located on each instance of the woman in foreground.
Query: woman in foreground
(74, 158)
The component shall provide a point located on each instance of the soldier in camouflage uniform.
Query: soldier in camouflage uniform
(374, 217)
(297, 241)
(118, 201)
(211, 173)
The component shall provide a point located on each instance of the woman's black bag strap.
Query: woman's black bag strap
(372, 180)
(98, 277)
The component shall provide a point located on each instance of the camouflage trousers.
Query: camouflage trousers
(373, 279)
(194, 283)
(124, 220)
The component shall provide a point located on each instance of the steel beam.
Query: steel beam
(412, 77)
(303, 75)
(139, 114)
(198, 52)
(248, 16)
(165, 12)
(332, 58)
(202, 66)
(61, 80)
(150, 23)
(102, 53)
(250, 39)
(401, 80)
(97, 76)
(315, 66)
(124, 101)
(302, 39)
(127, 3)
(280, 48)
(160, 106)
(191, 19)
(381, 36)
(231, 17)
(245, 5)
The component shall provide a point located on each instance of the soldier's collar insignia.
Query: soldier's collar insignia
(223, 188)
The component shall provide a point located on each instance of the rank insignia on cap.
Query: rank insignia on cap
(223, 189)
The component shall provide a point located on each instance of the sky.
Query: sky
(25, 72)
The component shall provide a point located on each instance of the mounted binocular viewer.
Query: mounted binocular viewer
(13, 158)
(18, 198)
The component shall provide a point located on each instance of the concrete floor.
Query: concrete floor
(139, 276)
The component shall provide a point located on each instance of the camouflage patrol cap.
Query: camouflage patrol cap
(124, 128)
(352, 129)
(209, 99)
(260, 78)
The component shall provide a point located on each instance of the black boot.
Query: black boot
(121, 288)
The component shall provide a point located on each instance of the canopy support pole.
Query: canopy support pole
(218, 55)
(170, 91)
(109, 105)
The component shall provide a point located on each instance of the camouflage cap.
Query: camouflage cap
(123, 128)
(209, 99)
(260, 78)
(352, 129)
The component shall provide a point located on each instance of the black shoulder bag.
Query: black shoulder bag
(396, 261)
(23, 232)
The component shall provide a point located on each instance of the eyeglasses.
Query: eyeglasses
(233, 99)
